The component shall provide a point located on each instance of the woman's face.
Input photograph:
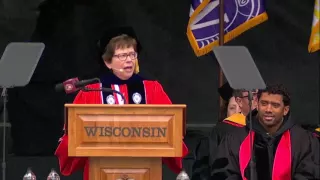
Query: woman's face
(233, 107)
(123, 62)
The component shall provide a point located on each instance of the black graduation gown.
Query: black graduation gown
(290, 154)
(315, 129)
(207, 146)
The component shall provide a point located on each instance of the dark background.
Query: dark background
(71, 29)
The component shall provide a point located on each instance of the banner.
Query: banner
(314, 43)
(239, 16)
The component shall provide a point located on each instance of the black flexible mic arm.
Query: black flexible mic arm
(105, 90)
(83, 83)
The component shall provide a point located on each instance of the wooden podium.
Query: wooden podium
(125, 142)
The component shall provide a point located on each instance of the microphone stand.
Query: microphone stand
(4, 152)
(252, 174)
(105, 90)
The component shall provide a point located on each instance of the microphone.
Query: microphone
(68, 86)
(120, 70)
(105, 90)
(73, 84)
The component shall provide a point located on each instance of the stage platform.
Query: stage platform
(41, 166)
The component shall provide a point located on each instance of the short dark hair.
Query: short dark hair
(277, 89)
(121, 41)
(238, 93)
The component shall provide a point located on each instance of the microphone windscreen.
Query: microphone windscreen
(69, 85)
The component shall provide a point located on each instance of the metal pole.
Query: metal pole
(221, 43)
(4, 152)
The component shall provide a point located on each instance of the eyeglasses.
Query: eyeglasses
(254, 95)
(124, 56)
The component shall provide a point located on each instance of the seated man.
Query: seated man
(282, 150)
(206, 148)
(236, 119)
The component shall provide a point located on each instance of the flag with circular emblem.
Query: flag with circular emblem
(239, 16)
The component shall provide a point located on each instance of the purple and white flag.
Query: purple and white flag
(239, 16)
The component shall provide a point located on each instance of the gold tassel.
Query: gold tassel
(136, 68)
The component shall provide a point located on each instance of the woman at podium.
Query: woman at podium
(119, 53)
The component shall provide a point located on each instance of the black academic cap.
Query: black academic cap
(225, 91)
(117, 31)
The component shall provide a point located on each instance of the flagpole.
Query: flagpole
(221, 43)
(221, 79)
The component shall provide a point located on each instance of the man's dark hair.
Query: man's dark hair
(277, 89)
(238, 93)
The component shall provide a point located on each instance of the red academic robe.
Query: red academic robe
(287, 155)
(149, 92)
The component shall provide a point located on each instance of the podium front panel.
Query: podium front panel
(126, 130)
(125, 168)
